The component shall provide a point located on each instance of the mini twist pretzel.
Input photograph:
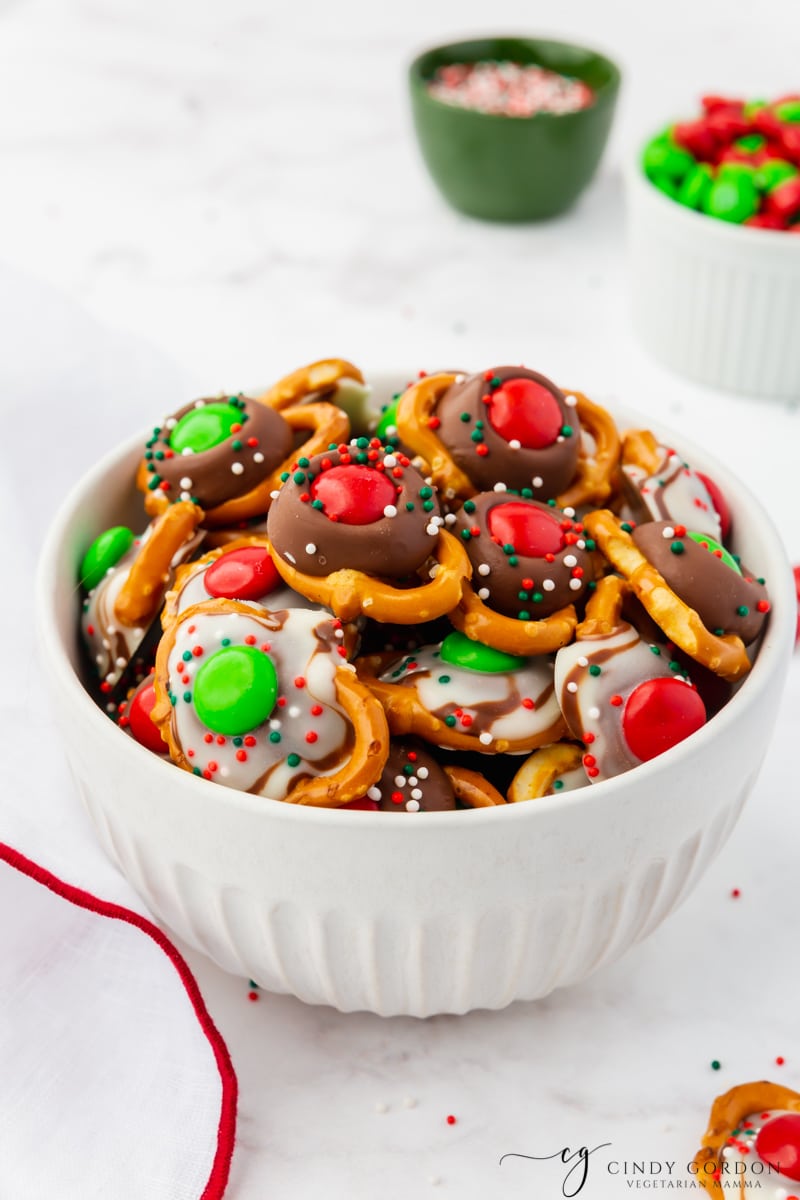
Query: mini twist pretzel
(266, 703)
(640, 449)
(728, 1112)
(724, 654)
(326, 424)
(536, 776)
(604, 608)
(416, 421)
(483, 624)
(350, 593)
(471, 789)
(594, 480)
(141, 595)
(316, 378)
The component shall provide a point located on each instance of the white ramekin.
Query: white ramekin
(442, 912)
(717, 302)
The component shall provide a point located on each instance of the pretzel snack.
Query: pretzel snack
(727, 1112)
(141, 594)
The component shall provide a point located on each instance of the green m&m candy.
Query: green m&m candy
(460, 651)
(696, 186)
(717, 549)
(103, 554)
(732, 196)
(789, 111)
(235, 690)
(772, 173)
(388, 421)
(204, 427)
(662, 158)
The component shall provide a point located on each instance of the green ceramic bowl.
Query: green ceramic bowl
(513, 168)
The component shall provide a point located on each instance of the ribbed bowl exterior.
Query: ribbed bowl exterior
(717, 302)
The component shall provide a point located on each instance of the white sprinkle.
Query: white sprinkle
(186, 483)
(412, 805)
(380, 1107)
(199, 403)
(422, 772)
(416, 794)
(434, 571)
(112, 629)
(570, 560)
(501, 487)
(484, 569)
(575, 585)
(548, 585)
(258, 457)
(237, 468)
(668, 532)
(569, 512)
(570, 401)
(581, 544)
(431, 529)
(186, 495)
(120, 662)
(374, 793)
(483, 593)
(537, 481)
(390, 511)
(274, 495)
(572, 687)
(224, 772)
(412, 781)
(594, 712)
(139, 633)
(391, 430)
(110, 708)
(311, 548)
(275, 723)
(339, 633)
(171, 422)
(290, 558)
(409, 1102)
(389, 460)
(293, 711)
(514, 444)
(486, 739)
(400, 781)
(582, 661)
(450, 519)
(560, 438)
(437, 520)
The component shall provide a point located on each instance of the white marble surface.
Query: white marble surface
(229, 191)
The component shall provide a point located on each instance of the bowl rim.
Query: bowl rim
(772, 660)
(723, 232)
(600, 94)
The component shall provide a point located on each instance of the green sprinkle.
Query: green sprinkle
(566, 430)
(589, 543)
(676, 547)
(284, 476)
(409, 506)
(674, 666)
(316, 504)
(558, 785)
(508, 548)
(476, 435)
(275, 737)
(237, 741)
(715, 1064)
(742, 610)
(299, 477)
(628, 528)
(225, 642)
(186, 656)
(513, 561)
(293, 760)
(527, 493)
(465, 417)
(361, 442)
(655, 649)
(469, 506)
(428, 505)
(523, 616)
(425, 493)
(595, 670)
(450, 721)
(187, 696)
(237, 445)
(444, 678)
(466, 535)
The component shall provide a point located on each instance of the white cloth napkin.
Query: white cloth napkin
(114, 1082)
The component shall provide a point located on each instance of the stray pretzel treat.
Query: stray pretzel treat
(126, 578)
(627, 700)
(471, 789)
(265, 702)
(659, 486)
(412, 781)
(350, 528)
(549, 772)
(462, 695)
(752, 1143)
(714, 580)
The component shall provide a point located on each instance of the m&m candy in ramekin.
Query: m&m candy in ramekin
(738, 161)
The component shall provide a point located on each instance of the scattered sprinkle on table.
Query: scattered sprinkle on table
(509, 89)
(715, 1064)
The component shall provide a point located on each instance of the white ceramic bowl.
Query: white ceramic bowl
(714, 301)
(444, 912)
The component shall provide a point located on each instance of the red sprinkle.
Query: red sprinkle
(451, 1120)
(735, 893)
(312, 736)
